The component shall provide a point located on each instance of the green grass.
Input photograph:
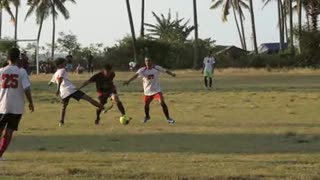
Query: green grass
(254, 125)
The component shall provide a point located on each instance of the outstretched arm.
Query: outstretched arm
(131, 79)
(171, 73)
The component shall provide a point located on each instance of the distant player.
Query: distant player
(90, 59)
(132, 65)
(208, 69)
(14, 82)
(151, 86)
(106, 89)
(67, 90)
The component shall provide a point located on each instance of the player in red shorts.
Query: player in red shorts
(105, 88)
(151, 86)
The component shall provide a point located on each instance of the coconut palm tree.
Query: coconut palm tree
(169, 30)
(253, 27)
(281, 21)
(142, 18)
(236, 6)
(291, 27)
(46, 8)
(16, 4)
(5, 4)
(196, 35)
(133, 34)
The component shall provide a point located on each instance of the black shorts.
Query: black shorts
(10, 121)
(104, 98)
(76, 95)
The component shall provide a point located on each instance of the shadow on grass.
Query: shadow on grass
(184, 143)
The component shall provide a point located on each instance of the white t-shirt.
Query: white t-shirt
(208, 63)
(13, 82)
(150, 78)
(66, 88)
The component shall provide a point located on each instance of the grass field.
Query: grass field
(253, 125)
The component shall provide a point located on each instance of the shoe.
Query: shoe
(2, 159)
(171, 121)
(96, 122)
(146, 119)
(61, 123)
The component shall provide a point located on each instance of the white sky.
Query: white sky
(106, 21)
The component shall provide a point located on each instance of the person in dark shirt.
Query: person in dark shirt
(90, 62)
(105, 89)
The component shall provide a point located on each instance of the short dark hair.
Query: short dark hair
(107, 67)
(60, 61)
(13, 55)
(69, 56)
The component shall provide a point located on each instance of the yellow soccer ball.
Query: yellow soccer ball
(124, 120)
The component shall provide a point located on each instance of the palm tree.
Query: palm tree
(45, 8)
(196, 35)
(16, 4)
(142, 18)
(5, 4)
(280, 21)
(169, 30)
(236, 5)
(133, 34)
(253, 27)
(291, 27)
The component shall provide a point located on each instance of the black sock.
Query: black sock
(98, 112)
(165, 110)
(146, 111)
(205, 81)
(210, 82)
(121, 108)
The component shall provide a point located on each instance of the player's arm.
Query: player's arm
(60, 79)
(170, 73)
(131, 79)
(28, 95)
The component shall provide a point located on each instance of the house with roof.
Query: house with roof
(271, 48)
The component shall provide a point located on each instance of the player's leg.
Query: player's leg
(164, 106)
(13, 121)
(103, 100)
(92, 101)
(210, 79)
(116, 99)
(64, 106)
(147, 101)
(205, 81)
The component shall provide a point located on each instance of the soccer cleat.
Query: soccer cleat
(146, 119)
(96, 122)
(61, 123)
(171, 121)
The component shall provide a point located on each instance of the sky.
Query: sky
(106, 21)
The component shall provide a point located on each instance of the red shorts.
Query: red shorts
(158, 96)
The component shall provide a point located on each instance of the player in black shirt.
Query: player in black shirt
(105, 88)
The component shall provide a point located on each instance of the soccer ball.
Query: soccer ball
(124, 120)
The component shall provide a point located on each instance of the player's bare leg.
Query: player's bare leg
(92, 101)
(63, 112)
(147, 111)
(165, 110)
(120, 106)
(5, 141)
(206, 81)
(210, 82)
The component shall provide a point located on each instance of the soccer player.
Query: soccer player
(67, 90)
(106, 89)
(207, 70)
(14, 82)
(151, 86)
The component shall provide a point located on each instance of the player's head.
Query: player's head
(60, 62)
(210, 53)
(107, 68)
(13, 55)
(148, 62)
(69, 58)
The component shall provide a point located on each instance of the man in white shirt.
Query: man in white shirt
(67, 90)
(207, 70)
(14, 82)
(151, 85)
